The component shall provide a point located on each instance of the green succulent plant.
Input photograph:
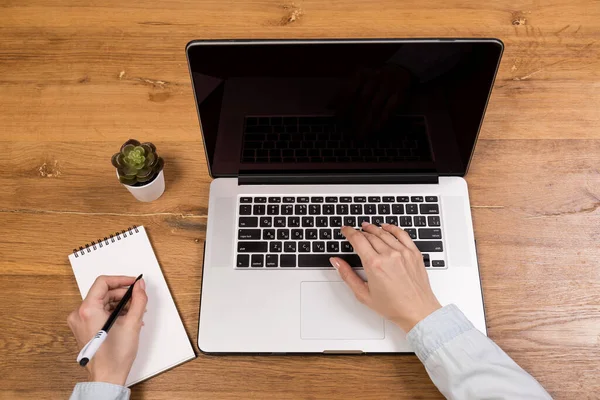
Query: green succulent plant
(137, 163)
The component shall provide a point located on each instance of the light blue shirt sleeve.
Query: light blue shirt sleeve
(99, 391)
(464, 364)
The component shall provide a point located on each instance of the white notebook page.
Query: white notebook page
(163, 340)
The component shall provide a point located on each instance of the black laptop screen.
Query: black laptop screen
(362, 107)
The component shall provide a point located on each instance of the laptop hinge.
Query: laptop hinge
(338, 179)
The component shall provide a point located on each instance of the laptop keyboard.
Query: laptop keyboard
(307, 139)
(304, 231)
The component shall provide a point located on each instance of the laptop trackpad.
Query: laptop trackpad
(329, 310)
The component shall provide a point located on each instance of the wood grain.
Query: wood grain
(78, 77)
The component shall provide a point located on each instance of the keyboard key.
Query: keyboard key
(435, 233)
(311, 234)
(318, 247)
(308, 222)
(274, 199)
(300, 209)
(325, 234)
(377, 220)
(287, 209)
(431, 199)
(341, 209)
(374, 199)
(289, 247)
(402, 199)
(432, 221)
(383, 208)
(252, 247)
(391, 220)
(350, 221)
(370, 209)
(412, 209)
(272, 261)
(257, 261)
(347, 247)
(243, 260)
(316, 199)
(397, 209)
(345, 199)
(331, 199)
(304, 247)
(429, 209)
(412, 233)
(272, 209)
(275, 247)
(429, 246)
(314, 209)
(283, 234)
(269, 234)
(302, 199)
(288, 260)
(333, 247)
(289, 200)
(249, 234)
(279, 222)
(416, 199)
(245, 209)
(260, 199)
(405, 221)
(321, 222)
(419, 221)
(297, 234)
(335, 222)
(266, 222)
(438, 263)
(337, 234)
(328, 209)
(250, 222)
(245, 199)
(294, 222)
(356, 209)
(258, 209)
(426, 260)
(388, 199)
(322, 260)
(363, 219)
(360, 199)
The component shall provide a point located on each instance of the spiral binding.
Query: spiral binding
(89, 247)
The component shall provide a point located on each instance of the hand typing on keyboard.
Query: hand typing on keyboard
(398, 286)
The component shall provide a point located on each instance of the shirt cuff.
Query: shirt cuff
(100, 391)
(437, 329)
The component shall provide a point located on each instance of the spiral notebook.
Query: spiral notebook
(163, 340)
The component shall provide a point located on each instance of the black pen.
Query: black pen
(88, 351)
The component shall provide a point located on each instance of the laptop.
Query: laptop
(305, 136)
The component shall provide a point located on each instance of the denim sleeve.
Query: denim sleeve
(464, 364)
(99, 391)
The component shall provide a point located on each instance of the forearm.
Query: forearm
(464, 364)
(99, 391)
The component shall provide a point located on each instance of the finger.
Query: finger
(139, 299)
(114, 295)
(112, 305)
(401, 235)
(361, 245)
(377, 243)
(104, 283)
(385, 236)
(354, 282)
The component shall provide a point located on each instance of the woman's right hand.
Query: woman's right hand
(398, 286)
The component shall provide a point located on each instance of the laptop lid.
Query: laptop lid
(341, 107)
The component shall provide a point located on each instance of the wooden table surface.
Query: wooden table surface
(79, 77)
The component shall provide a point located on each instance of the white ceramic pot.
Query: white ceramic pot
(149, 192)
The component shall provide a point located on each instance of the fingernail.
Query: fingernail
(384, 224)
(364, 223)
(142, 284)
(334, 262)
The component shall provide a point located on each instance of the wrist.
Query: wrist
(408, 322)
(115, 379)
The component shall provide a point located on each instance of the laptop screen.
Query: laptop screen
(329, 107)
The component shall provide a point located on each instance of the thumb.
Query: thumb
(354, 282)
(139, 299)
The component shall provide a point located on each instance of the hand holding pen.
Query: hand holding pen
(113, 359)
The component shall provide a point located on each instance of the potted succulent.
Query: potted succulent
(140, 170)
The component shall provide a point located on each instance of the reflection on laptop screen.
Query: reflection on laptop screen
(333, 107)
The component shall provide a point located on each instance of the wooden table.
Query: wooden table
(77, 78)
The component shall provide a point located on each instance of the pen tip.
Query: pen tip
(84, 362)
